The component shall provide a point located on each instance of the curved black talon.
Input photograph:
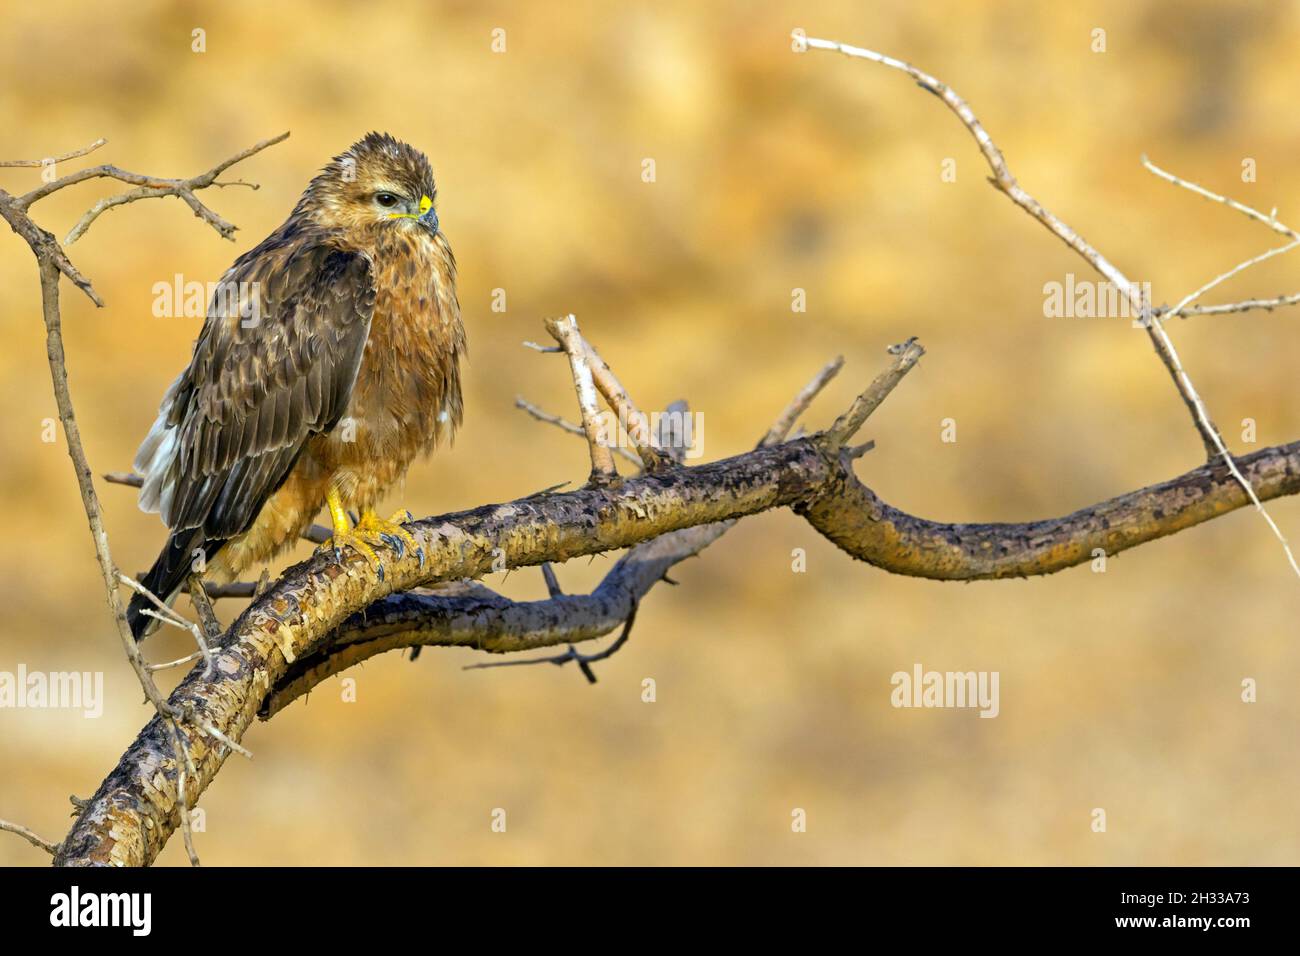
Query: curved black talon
(396, 543)
(419, 553)
(379, 571)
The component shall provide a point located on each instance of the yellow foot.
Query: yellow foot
(390, 532)
(357, 542)
(369, 533)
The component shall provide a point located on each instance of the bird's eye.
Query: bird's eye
(387, 200)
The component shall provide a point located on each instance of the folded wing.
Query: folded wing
(274, 364)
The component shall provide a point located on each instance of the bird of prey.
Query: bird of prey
(328, 361)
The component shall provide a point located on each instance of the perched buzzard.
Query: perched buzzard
(328, 361)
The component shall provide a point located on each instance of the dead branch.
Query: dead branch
(301, 612)
(846, 426)
(28, 835)
(53, 262)
(148, 187)
(584, 661)
(1007, 184)
(635, 424)
(1250, 213)
(471, 615)
(1164, 346)
(799, 404)
(54, 159)
(1246, 305)
(565, 331)
(568, 426)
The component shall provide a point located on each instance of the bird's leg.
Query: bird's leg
(391, 532)
(338, 514)
(346, 536)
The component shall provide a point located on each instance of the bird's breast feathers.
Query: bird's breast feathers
(407, 393)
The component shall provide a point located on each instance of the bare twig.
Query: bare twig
(148, 187)
(552, 582)
(846, 426)
(584, 661)
(1006, 183)
(1269, 220)
(203, 606)
(43, 245)
(29, 836)
(799, 404)
(55, 159)
(1164, 346)
(1224, 277)
(183, 763)
(209, 730)
(568, 426)
(180, 661)
(168, 615)
(233, 589)
(635, 424)
(1246, 305)
(565, 331)
(673, 439)
(81, 467)
(128, 478)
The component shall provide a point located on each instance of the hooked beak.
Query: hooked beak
(428, 217)
(425, 217)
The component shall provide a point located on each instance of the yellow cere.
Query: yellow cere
(425, 205)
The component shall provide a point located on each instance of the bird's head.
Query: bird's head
(378, 182)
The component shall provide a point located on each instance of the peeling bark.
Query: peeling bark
(129, 819)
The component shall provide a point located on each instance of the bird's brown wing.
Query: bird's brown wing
(274, 365)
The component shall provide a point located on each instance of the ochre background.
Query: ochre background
(775, 171)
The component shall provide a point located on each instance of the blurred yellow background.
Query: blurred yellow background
(774, 171)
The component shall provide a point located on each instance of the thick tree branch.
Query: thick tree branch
(584, 661)
(301, 612)
(852, 516)
(474, 616)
